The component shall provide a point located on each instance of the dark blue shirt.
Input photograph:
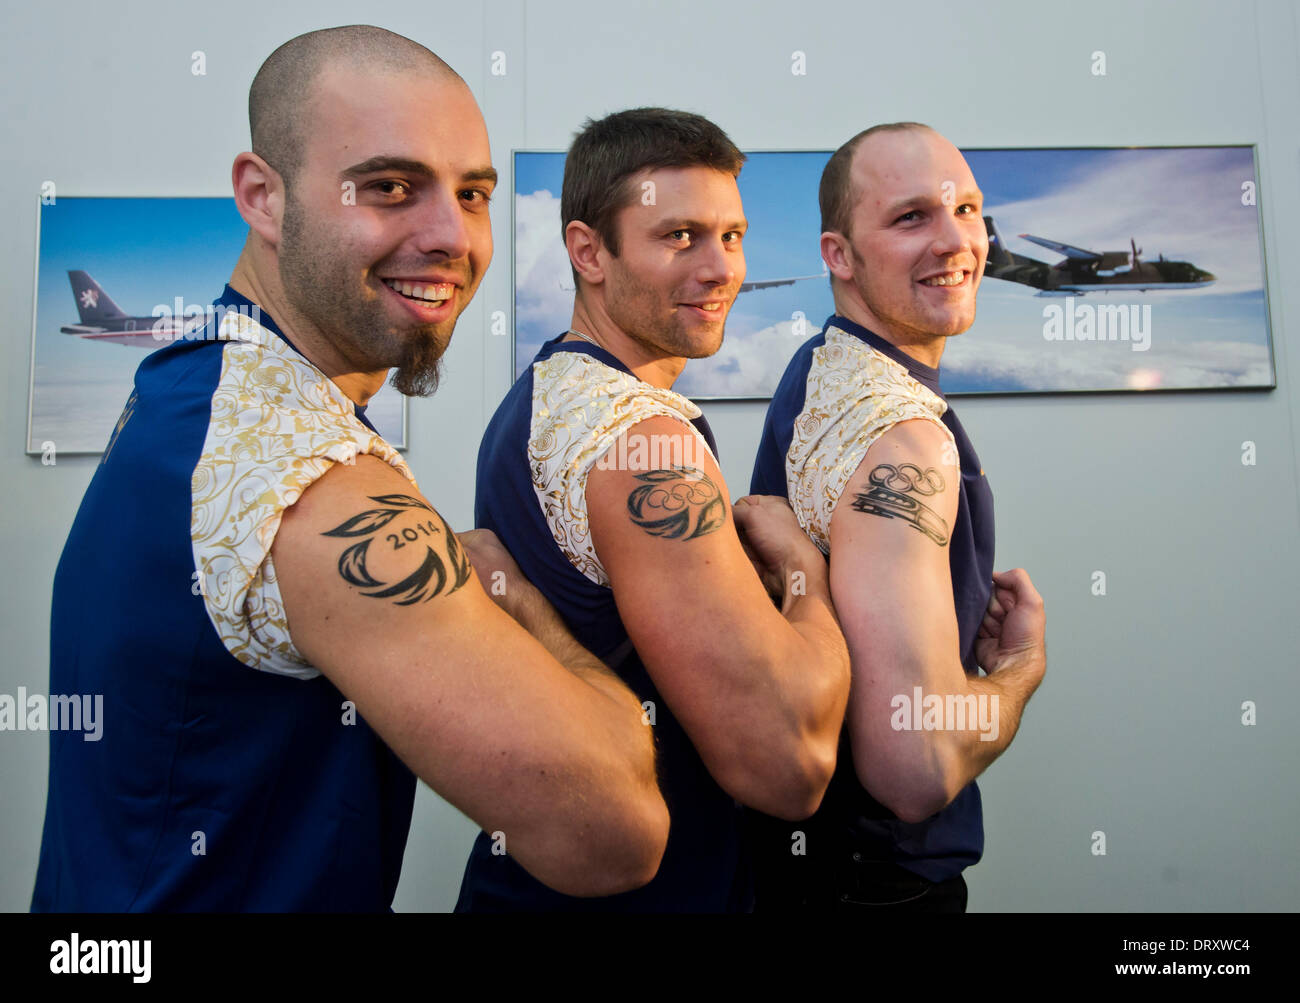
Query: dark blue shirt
(701, 869)
(944, 844)
(291, 808)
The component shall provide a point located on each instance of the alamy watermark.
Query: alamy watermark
(653, 452)
(1102, 322)
(75, 956)
(949, 712)
(59, 712)
(179, 321)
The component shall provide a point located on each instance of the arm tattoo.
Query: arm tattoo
(679, 503)
(891, 494)
(428, 580)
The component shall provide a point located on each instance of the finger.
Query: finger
(1017, 580)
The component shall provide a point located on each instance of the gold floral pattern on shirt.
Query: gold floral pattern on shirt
(580, 409)
(854, 394)
(277, 424)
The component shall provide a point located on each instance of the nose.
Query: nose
(720, 264)
(952, 237)
(440, 223)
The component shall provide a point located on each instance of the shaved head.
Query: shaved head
(279, 101)
(837, 195)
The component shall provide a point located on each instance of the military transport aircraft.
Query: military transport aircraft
(1082, 271)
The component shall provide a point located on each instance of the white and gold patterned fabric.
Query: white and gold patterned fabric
(854, 394)
(277, 424)
(580, 409)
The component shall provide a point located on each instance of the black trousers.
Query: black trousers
(845, 881)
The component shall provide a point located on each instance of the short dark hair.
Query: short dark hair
(282, 87)
(607, 153)
(835, 194)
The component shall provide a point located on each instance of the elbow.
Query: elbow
(623, 852)
(912, 795)
(641, 844)
(917, 805)
(789, 786)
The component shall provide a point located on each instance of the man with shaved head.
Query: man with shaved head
(284, 630)
(884, 480)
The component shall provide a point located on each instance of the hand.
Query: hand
(775, 542)
(497, 571)
(1014, 623)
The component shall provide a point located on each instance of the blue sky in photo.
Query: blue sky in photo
(143, 252)
(1184, 203)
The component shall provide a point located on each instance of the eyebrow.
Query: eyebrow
(418, 167)
(681, 223)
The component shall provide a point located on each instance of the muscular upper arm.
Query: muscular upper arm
(685, 590)
(890, 577)
(382, 599)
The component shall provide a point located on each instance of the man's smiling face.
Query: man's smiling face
(918, 243)
(680, 262)
(386, 233)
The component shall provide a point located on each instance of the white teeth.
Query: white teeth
(951, 279)
(434, 293)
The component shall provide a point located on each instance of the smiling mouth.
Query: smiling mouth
(431, 292)
(712, 307)
(955, 278)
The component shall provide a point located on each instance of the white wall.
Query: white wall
(1136, 730)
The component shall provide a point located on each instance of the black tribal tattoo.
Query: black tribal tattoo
(891, 492)
(433, 574)
(679, 503)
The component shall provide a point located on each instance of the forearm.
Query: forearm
(611, 706)
(586, 820)
(1005, 694)
(919, 751)
(799, 686)
(535, 614)
(815, 669)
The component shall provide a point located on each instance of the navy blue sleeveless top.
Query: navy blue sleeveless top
(941, 846)
(702, 869)
(214, 786)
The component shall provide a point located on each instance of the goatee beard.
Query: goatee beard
(420, 368)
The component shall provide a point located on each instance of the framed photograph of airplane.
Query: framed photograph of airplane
(1124, 269)
(117, 278)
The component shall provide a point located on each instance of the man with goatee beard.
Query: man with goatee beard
(285, 630)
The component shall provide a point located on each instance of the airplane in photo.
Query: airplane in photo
(103, 320)
(1082, 271)
(746, 287)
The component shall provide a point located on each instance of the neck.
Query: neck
(253, 278)
(646, 364)
(926, 349)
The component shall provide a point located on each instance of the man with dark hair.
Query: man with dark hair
(285, 631)
(884, 479)
(603, 484)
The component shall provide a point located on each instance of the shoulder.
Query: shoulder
(854, 395)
